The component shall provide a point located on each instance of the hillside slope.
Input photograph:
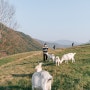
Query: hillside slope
(16, 42)
(16, 73)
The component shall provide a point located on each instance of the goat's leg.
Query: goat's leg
(32, 88)
(66, 61)
(73, 60)
(58, 63)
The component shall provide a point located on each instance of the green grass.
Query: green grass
(5, 60)
(72, 76)
(14, 57)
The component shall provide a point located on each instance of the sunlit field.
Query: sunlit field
(16, 70)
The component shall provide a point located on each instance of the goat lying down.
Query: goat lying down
(69, 56)
(41, 80)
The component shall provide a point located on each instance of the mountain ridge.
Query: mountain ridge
(14, 42)
(59, 43)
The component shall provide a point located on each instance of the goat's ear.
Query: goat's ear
(74, 53)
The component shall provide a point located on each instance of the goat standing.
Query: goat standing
(57, 60)
(41, 80)
(69, 56)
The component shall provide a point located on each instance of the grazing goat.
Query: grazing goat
(51, 57)
(69, 56)
(41, 80)
(57, 60)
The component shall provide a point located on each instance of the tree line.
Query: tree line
(7, 15)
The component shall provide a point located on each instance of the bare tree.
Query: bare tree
(7, 13)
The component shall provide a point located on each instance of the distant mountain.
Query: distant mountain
(66, 42)
(13, 41)
(59, 43)
(50, 44)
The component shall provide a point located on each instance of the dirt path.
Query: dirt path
(18, 60)
(7, 69)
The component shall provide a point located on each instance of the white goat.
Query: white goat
(69, 56)
(38, 68)
(41, 80)
(57, 60)
(51, 57)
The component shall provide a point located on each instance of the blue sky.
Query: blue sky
(51, 20)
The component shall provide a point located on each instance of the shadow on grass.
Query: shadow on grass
(48, 63)
(21, 84)
(22, 75)
(15, 88)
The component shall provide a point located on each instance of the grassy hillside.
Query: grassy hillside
(14, 42)
(16, 70)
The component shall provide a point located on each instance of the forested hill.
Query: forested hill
(13, 42)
